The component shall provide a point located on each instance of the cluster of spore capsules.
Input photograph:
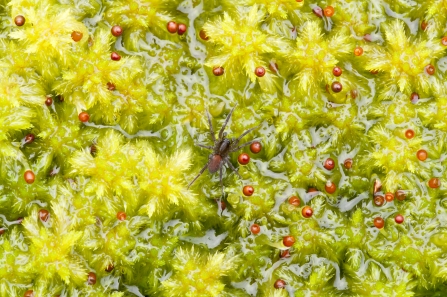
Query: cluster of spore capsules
(379, 198)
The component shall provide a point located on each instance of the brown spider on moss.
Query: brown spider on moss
(222, 148)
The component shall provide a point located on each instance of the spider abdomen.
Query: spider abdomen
(214, 163)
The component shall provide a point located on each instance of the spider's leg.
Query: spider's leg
(200, 173)
(213, 137)
(246, 132)
(243, 145)
(204, 146)
(221, 181)
(232, 168)
(226, 122)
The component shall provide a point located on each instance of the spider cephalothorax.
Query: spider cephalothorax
(222, 148)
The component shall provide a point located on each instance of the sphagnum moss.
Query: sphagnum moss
(101, 103)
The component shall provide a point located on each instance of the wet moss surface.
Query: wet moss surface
(103, 123)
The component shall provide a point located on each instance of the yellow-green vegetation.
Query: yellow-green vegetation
(103, 126)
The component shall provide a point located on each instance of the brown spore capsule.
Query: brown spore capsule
(116, 30)
(19, 20)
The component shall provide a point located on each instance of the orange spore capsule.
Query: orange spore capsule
(76, 36)
(379, 222)
(430, 69)
(434, 183)
(121, 215)
(255, 229)
(248, 190)
(358, 51)
(329, 11)
(294, 200)
(29, 293)
(422, 155)
(330, 187)
(84, 117)
(29, 176)
(109, 267)
(389, 197)
(409, 134)
(288, 241)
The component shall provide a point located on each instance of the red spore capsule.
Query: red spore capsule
(409, 134)
(255, 229)
(358, 51)
(280, 284)
(336, 87)
(260, 71)
(307, 211)
(116, 30)
(181, 29)
(255, 147)
(389, 197)
(29, 138)
(172, 27)
(109, 267)
(218, 71)
(115, 56)
(44, 215)
(203, 35)
(337, 71)
(400, 195)
(348, 163)
(48, 101)
(414, 98)
(399, 219)
(329, 164)
(29, 293)
(430, 69)
(243, 159)
(379, 200)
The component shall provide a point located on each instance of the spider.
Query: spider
(222, 148)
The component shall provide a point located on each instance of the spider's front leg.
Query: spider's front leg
(227, 160)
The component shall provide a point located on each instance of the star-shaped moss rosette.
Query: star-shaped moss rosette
(185, 282)
(435, 16)
(137, 18)
(47, 31)
(162, 185)
(395, 152)
(312, 276)
(112, 249)
(405, 64)
(96, 73)
(13, 248)
(359, 16)
(367, 275)
(52, 143)
(241, 46)
(313, 57)
(111, 170)
(52, 241)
